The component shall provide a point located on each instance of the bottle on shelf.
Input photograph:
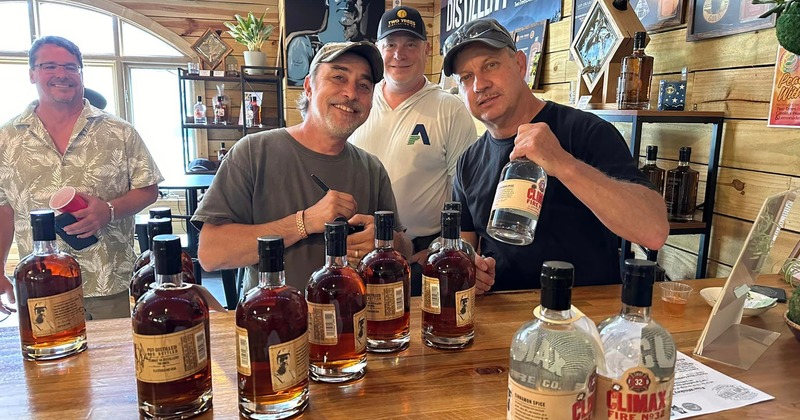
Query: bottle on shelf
(517, 202)
(222, 152)
(564, 385)
(651, 170)
(171, 341)
(337, 312)
(200, 111)
(222, 106)
(49, 293)
(448, 291)
(637, 73)
(272, 341)
(680, 189)
(387, 277)
(144, 274)
(465, 246)
(253, 112)
(640, 354)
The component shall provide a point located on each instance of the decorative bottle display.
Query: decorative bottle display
(637, 72)
(553, 363)
(680, 191)
(171, 341)
(651, 170)
(144, 276)
(253, 112)
(272, 341)
(200, 111)
(465, 246)
(337, 314)
(448, 290)
(222, 152)
(517, 202)
(387, 277)
(49, 293)
(222, 106)
(640, 354)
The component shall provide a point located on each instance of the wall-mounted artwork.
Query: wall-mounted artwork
(717, 18)
(659, 14)
(531, 40)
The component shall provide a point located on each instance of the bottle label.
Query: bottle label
(322, 324)
(527, 404)
(56, 313)
(431, 298)
(169, 357)
(465, 302)
(637, 394)
(360, 330)
(520, 194)
(385, 301)
(288, 363)
(243, 351)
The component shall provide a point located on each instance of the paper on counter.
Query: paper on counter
(702, 390)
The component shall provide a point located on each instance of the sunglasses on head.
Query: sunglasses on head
(473, 31)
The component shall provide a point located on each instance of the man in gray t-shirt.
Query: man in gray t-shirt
(264, 186)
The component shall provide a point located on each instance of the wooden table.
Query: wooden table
(418, 383)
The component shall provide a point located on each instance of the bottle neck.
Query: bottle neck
(683, 163)
(635, 313)
(649, 162)
(45, 247)
(272, 279)
(384, 244)
(555, 314)
(451, 243)
(335, 260)
(175, 279)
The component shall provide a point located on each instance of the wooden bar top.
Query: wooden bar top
(420, 383)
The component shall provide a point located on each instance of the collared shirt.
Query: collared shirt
(105, 157)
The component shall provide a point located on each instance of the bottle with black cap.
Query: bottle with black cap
(680, 191)
(387, 277)
(651, 170)
(448, 291)
(465, 246)
(553, 361)
(271, 341)
(171, 340)
(640, 354)
(337, 311)
(49, 292)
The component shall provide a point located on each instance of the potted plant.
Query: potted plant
(251, 32)
(790, 269)
(787, 26)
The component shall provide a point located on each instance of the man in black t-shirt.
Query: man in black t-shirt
(595, 191)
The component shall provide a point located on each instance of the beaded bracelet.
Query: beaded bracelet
(111, 208)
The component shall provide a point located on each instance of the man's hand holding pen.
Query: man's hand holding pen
(332, 205)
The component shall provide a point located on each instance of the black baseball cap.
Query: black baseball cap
(486, 30)
(402, 18)
(333, 50)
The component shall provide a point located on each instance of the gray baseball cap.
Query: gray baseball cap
(486, 30)
(333, 50)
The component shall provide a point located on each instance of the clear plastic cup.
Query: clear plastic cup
(675, 296)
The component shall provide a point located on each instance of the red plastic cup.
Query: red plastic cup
(66, 200)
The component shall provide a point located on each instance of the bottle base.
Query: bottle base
(519, 237)
(633, 105)
(338, 371)
(388, 346)
(51, 352)
(448, 343)
(263, 411)
(172, 412)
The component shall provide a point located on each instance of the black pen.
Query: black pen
(320, 183)
(488, 254)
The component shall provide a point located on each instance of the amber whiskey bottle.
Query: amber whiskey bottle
(154, 213)
(651, 170)
(637, 73)
(436, 244)
(49, 292)
(680, 191)
(387, 277)
(448, 291)
(272, 341)
(337, 314)
(171, 341)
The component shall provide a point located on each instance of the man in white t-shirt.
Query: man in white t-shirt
(416, 129)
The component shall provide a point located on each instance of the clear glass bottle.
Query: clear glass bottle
(337, 312)
(222, 106)
(651, 170)
(222, 152)
(253, 114)
(171, 341)
(465, 246)
(640, 354)
(637, 73)
(49, 293)
(517, 202)
(272, 341)
(200, 111)
(448, 291)
(387, 277)
(680, 190)
(553, 362)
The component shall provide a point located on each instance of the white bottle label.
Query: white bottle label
(243, 351)
(431, 296)
(520, 194)
(169, 357)
(637, 394)
(322, 324)
(57, 313)
(385, 301)
(527, 404)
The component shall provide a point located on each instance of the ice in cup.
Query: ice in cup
(67, 200)
(675, 296)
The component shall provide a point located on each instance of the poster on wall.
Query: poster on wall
(659, 14)
(784, 104)
(310, 24)
(717, 18)
(530, 40)
(511, 14)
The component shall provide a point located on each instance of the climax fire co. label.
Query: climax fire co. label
(637, 395)
(57, 313)
(360, 330)
(431, 296)
(288, 363)
(169, 357)
(465, 307)
(385, 301)
(322, 327)
(526, 404)
(520, 194)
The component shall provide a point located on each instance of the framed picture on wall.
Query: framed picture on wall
(211, 49)
(530, 39)
(579, 10)
(659, 14)
(718, 18)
